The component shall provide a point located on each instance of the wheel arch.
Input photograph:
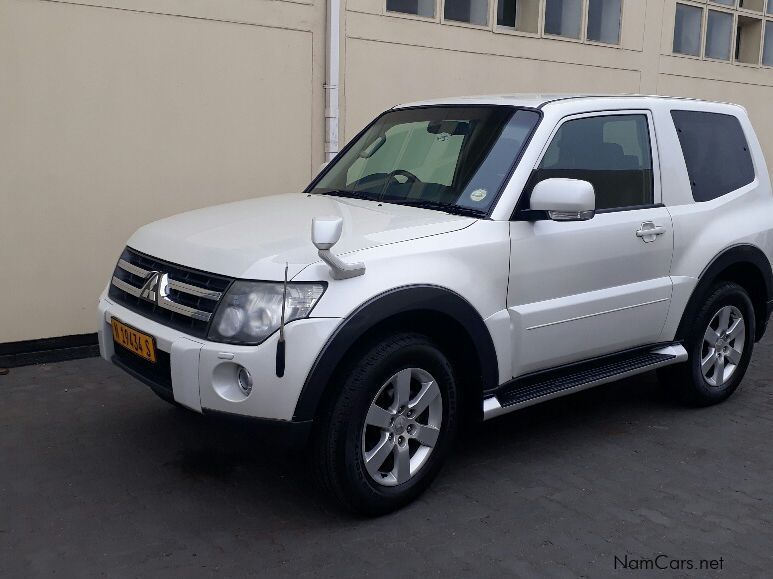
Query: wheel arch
(440, 313)
(745, 265)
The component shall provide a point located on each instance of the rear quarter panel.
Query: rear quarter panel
(704, 230)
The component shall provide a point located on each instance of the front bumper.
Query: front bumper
(202, 375)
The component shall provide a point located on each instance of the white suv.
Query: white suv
(460, 258)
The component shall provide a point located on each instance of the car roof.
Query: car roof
(539, 100)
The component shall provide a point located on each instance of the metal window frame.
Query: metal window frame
(765, 18)
(492, 26)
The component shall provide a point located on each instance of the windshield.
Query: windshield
(451, 158)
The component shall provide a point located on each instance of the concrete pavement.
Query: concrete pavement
(99, 477)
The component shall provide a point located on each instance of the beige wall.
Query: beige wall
(114, 113)
(112, 118)
(392, 58)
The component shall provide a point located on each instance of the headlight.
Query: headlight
(252, 310)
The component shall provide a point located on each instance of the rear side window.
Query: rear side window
(715, 151)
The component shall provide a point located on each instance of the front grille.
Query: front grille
(158, 374)
(187, 303)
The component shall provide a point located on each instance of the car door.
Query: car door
(583, 289)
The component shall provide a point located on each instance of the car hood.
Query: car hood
(253, 239)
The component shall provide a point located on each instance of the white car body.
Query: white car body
(549, 293)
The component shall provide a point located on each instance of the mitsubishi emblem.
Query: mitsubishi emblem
(156, 287)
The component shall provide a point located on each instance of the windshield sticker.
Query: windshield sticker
(478, 195)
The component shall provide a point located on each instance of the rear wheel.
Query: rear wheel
(383, 438)
(719, 343)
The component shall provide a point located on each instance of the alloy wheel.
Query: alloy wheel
(722, 347)
(402, 426)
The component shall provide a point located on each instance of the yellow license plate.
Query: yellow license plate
(134, 341)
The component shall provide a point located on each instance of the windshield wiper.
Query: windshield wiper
(448, 208)
(346, 193)
(420, 203)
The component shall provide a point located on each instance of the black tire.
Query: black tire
(687, 380)
(337, 444)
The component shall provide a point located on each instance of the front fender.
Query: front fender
(395, 302)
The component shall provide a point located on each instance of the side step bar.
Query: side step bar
(543, 386)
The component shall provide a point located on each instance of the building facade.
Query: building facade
(114, 113)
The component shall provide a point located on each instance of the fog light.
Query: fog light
(245, 380)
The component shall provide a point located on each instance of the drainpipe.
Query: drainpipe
(331, 78)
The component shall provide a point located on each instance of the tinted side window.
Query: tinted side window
(715, 151)
(611, 152)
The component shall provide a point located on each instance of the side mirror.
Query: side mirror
(326, 231)
(564, 199)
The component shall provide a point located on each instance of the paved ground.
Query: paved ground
(97, 476)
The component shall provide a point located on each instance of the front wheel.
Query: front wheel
(383, 436)
(719, 344)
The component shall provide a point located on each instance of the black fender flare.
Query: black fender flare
(401, 300)
(737, 254)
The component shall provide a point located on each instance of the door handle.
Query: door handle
(649, 231)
